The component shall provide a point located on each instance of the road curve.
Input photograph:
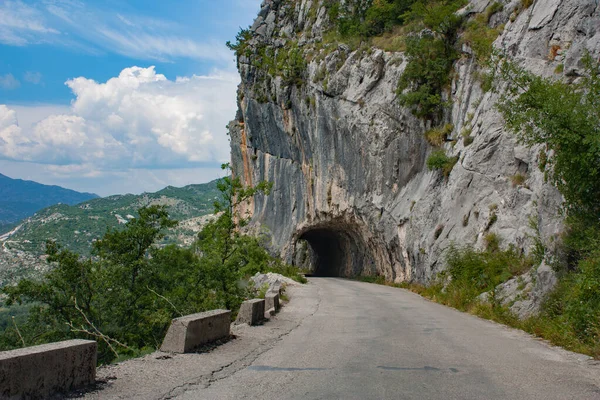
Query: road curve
(363, 341)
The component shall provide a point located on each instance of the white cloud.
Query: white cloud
(139, 119)
(139, 44)
(9, 82)
(21, 24)
(91, 29)
(32, 77)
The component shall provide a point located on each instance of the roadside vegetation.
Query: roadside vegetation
(126, 294)
(565, 120)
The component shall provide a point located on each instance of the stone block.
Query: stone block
(269, 313)
(251, 312)
(272, 300)
(276, 288)
(191, 331)
(38, 372)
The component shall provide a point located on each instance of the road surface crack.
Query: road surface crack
(226, 371)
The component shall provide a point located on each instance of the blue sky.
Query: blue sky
(117, 96)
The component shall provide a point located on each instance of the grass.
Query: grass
(568, 317)
(518, 179)
(438, 135)
(480, 36)
(554, 331)
(393, 41)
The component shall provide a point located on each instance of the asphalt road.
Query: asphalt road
(340, 339)
(365, 341)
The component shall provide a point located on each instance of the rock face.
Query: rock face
(348, 163)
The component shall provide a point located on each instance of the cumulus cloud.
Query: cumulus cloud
(9, 82)
(139, 119)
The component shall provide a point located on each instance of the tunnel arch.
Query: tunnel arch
(334, 249)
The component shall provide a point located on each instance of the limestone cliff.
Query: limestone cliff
(348, 163)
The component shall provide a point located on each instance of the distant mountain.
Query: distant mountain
(76, 227)
(20, 199)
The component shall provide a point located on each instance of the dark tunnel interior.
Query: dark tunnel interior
(336, 252)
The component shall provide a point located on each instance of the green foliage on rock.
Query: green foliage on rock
(383, 15)
(438, 135)
(241, 42)
(431, 54)
(438, 160)
(474, 272)
(566, 119)
(480, 36)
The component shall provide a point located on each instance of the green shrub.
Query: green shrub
(383, 15)
(492, 9)
(526, 3)
(431, 55)
(426, 75)
(367, 18)
(481, 38)
(474, 272)
(438, 160)
(241, 42)
(565, 118)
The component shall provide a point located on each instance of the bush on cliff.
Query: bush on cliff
(565, 118)
(431, 53)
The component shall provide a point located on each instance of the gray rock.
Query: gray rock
(545, 281)
(543, 13)
(348, 163)
(274, 281)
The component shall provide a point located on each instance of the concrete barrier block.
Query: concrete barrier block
(38, 372)
(251, 312)
(276, 288)
(269, 313)
(188, 333)
(272, 300)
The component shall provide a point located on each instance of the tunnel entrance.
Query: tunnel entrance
(334, 251)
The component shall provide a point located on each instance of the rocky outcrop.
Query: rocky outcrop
(348, 163)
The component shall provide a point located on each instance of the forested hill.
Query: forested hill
(20, 199)
(76, 227)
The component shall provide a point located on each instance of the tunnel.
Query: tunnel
(334, 251)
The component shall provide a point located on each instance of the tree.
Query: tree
(127, 294)
(107, 298)
(222, 245)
